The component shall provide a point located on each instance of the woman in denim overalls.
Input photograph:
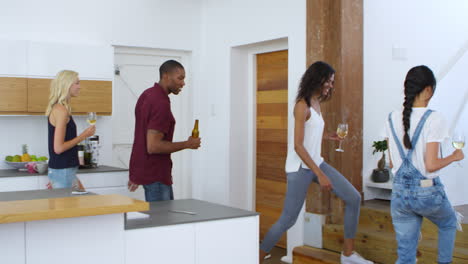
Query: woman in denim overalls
(417, 190)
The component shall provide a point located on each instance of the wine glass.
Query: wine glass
(91, 119)
(341, 132)
(458, 142)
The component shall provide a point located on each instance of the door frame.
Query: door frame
(243, 74)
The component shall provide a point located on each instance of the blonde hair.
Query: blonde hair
(60, 89)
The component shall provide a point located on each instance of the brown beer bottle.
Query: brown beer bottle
(195, 132)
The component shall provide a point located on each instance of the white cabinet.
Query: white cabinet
(139, 194)
(11, 184)
(91, 62)
(12, 240)
(214, 239)
(110, 183)
(100, 183)
(166, 244)
(13, 54)
(21, 58)
(228, 241)
(77, 240)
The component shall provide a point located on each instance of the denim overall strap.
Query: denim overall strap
(407, 174)
(415, 138)
(417, 132)
(398, 143)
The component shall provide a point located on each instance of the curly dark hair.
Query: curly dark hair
(417, 79)
(312, 81)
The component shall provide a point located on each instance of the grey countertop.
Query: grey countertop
(162, 213)
(39, 194)
(16, 173)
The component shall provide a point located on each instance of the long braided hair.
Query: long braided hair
(417, 79)
(312, 81)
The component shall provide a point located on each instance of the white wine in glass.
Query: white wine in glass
(341, 132)
(458, 142)
(92, 117)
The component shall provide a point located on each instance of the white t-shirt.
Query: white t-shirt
(313, 133)
(435, 130)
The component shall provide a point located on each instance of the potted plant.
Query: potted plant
(380, 174)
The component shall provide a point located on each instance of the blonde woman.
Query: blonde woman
(63, 139)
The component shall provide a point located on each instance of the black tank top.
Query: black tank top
(69, 158)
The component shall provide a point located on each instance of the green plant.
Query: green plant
(380, 146)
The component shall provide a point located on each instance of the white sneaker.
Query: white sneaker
(267, 256)
(354, 258)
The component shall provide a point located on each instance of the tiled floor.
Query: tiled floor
(276, 255)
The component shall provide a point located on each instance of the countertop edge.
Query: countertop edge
(64, 207)
(191, 221)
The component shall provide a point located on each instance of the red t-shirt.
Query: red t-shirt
(152, 111)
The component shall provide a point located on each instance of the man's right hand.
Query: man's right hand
(132, 186)
(193, 143)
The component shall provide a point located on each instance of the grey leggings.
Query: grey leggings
(298, 184)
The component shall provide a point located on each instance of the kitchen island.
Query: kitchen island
(54, 226)
(193, 232)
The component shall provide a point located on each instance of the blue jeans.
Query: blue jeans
(298, 184)
(409, 205)
(157, 191)
(63, 178)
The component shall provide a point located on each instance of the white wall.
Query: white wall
(430, 33)
(144, 23)
(227, 25)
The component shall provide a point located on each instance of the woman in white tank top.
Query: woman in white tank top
(305, 164)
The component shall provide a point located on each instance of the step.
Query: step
(311, 255)
(375, 215)
(382, 247)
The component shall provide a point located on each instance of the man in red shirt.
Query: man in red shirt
(150, 162)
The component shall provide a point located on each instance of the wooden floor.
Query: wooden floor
(276, 254)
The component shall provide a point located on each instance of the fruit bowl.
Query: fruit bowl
(21, 166)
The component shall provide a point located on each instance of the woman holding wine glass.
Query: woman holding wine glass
(63, 139)
(305, 164)
(414, 136)
(92, 118)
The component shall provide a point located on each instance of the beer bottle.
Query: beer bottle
(195, 132)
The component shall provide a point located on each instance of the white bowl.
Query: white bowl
(18, 165)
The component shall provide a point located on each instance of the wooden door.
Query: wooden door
(272, 125)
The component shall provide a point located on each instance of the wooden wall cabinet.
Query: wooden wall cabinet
(13, 95)
(95, 96)
(29, 96)
(29, 66)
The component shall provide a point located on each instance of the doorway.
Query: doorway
(137, 69)
(271, 139)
